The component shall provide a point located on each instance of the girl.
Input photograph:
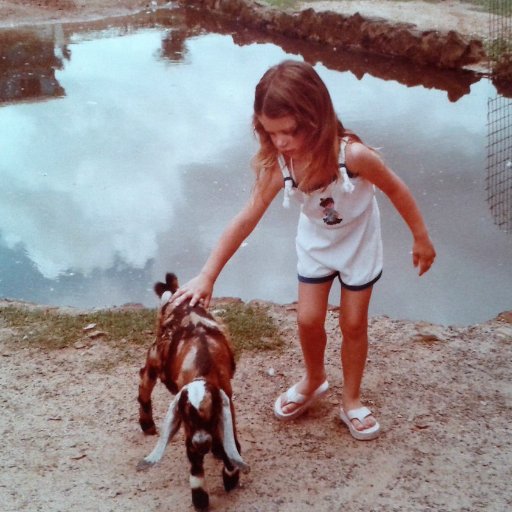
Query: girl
(305, 149)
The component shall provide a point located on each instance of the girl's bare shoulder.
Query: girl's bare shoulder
(361, 159)
(269, 182)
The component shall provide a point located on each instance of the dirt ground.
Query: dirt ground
(443, 395)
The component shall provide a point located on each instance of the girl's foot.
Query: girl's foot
(293, 403)
(361, 423)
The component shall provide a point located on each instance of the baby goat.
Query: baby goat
(192, 356)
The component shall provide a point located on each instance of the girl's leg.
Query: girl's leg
(312, 309)
(354, 348)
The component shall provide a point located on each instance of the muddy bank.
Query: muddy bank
(446, 49)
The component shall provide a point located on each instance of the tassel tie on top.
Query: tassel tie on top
(289, 185)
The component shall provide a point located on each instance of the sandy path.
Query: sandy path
(71, 440)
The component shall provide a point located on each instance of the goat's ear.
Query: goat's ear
(170, 426)
(160, 288)
(228, 440)
(172, 282)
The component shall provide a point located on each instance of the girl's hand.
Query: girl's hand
(198, 289)
(423, 254)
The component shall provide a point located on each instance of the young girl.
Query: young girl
(305, 149)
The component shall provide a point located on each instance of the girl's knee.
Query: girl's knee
(310, 321)
(353, 327)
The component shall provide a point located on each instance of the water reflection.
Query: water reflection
(28, 64)
(136, 170)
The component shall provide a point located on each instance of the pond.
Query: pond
(125, 150)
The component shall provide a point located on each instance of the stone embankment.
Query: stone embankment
(439, 48)
(442, 49)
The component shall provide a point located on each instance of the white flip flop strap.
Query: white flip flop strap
(294, 397)
(359, 414)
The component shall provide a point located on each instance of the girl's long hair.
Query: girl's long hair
(294, 88)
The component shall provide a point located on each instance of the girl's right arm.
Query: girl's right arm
(201, 286)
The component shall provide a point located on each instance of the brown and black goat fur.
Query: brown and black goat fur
(192, 356)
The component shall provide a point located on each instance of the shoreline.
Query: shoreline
(378, 27)
(502, 318)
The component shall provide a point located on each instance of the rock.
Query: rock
(97, 334)
(504, 333)
(429, 333)
(506, 316)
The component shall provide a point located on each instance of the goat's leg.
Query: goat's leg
(148, 377)
(230, 477)
(200, 498)
(230, 473)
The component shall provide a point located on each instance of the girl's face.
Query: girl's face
(285, 134)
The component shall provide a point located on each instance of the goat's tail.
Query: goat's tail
(170, 426)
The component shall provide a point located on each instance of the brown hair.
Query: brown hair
(294, 88)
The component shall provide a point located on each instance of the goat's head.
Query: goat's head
(205, 412)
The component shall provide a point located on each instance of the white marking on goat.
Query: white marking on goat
(166, 297)
(189, 361)
(200, 437)
(230, 473)
(196, 482)
(196, 392)
(198, 319)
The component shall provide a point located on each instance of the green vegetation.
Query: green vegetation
(503, 8)
(46, 328)
(251, 327)
(282, 4)
(497, 48)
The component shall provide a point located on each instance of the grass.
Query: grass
(497, 48)
(46, 328)
(251, 327)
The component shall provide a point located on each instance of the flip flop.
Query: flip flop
(360, 414)
(305, 401)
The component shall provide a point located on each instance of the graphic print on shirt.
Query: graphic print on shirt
(331, 216)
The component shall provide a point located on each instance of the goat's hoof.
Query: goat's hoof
(230, 478)
(200, 499)
(149, 428)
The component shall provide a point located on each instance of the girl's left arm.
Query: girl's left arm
(367, 164)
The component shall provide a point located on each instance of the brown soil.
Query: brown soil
(71, 441)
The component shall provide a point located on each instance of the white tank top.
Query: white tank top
(339, 225)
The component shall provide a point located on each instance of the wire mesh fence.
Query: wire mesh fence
(499, 161)
(500, 19)
(499, 124)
